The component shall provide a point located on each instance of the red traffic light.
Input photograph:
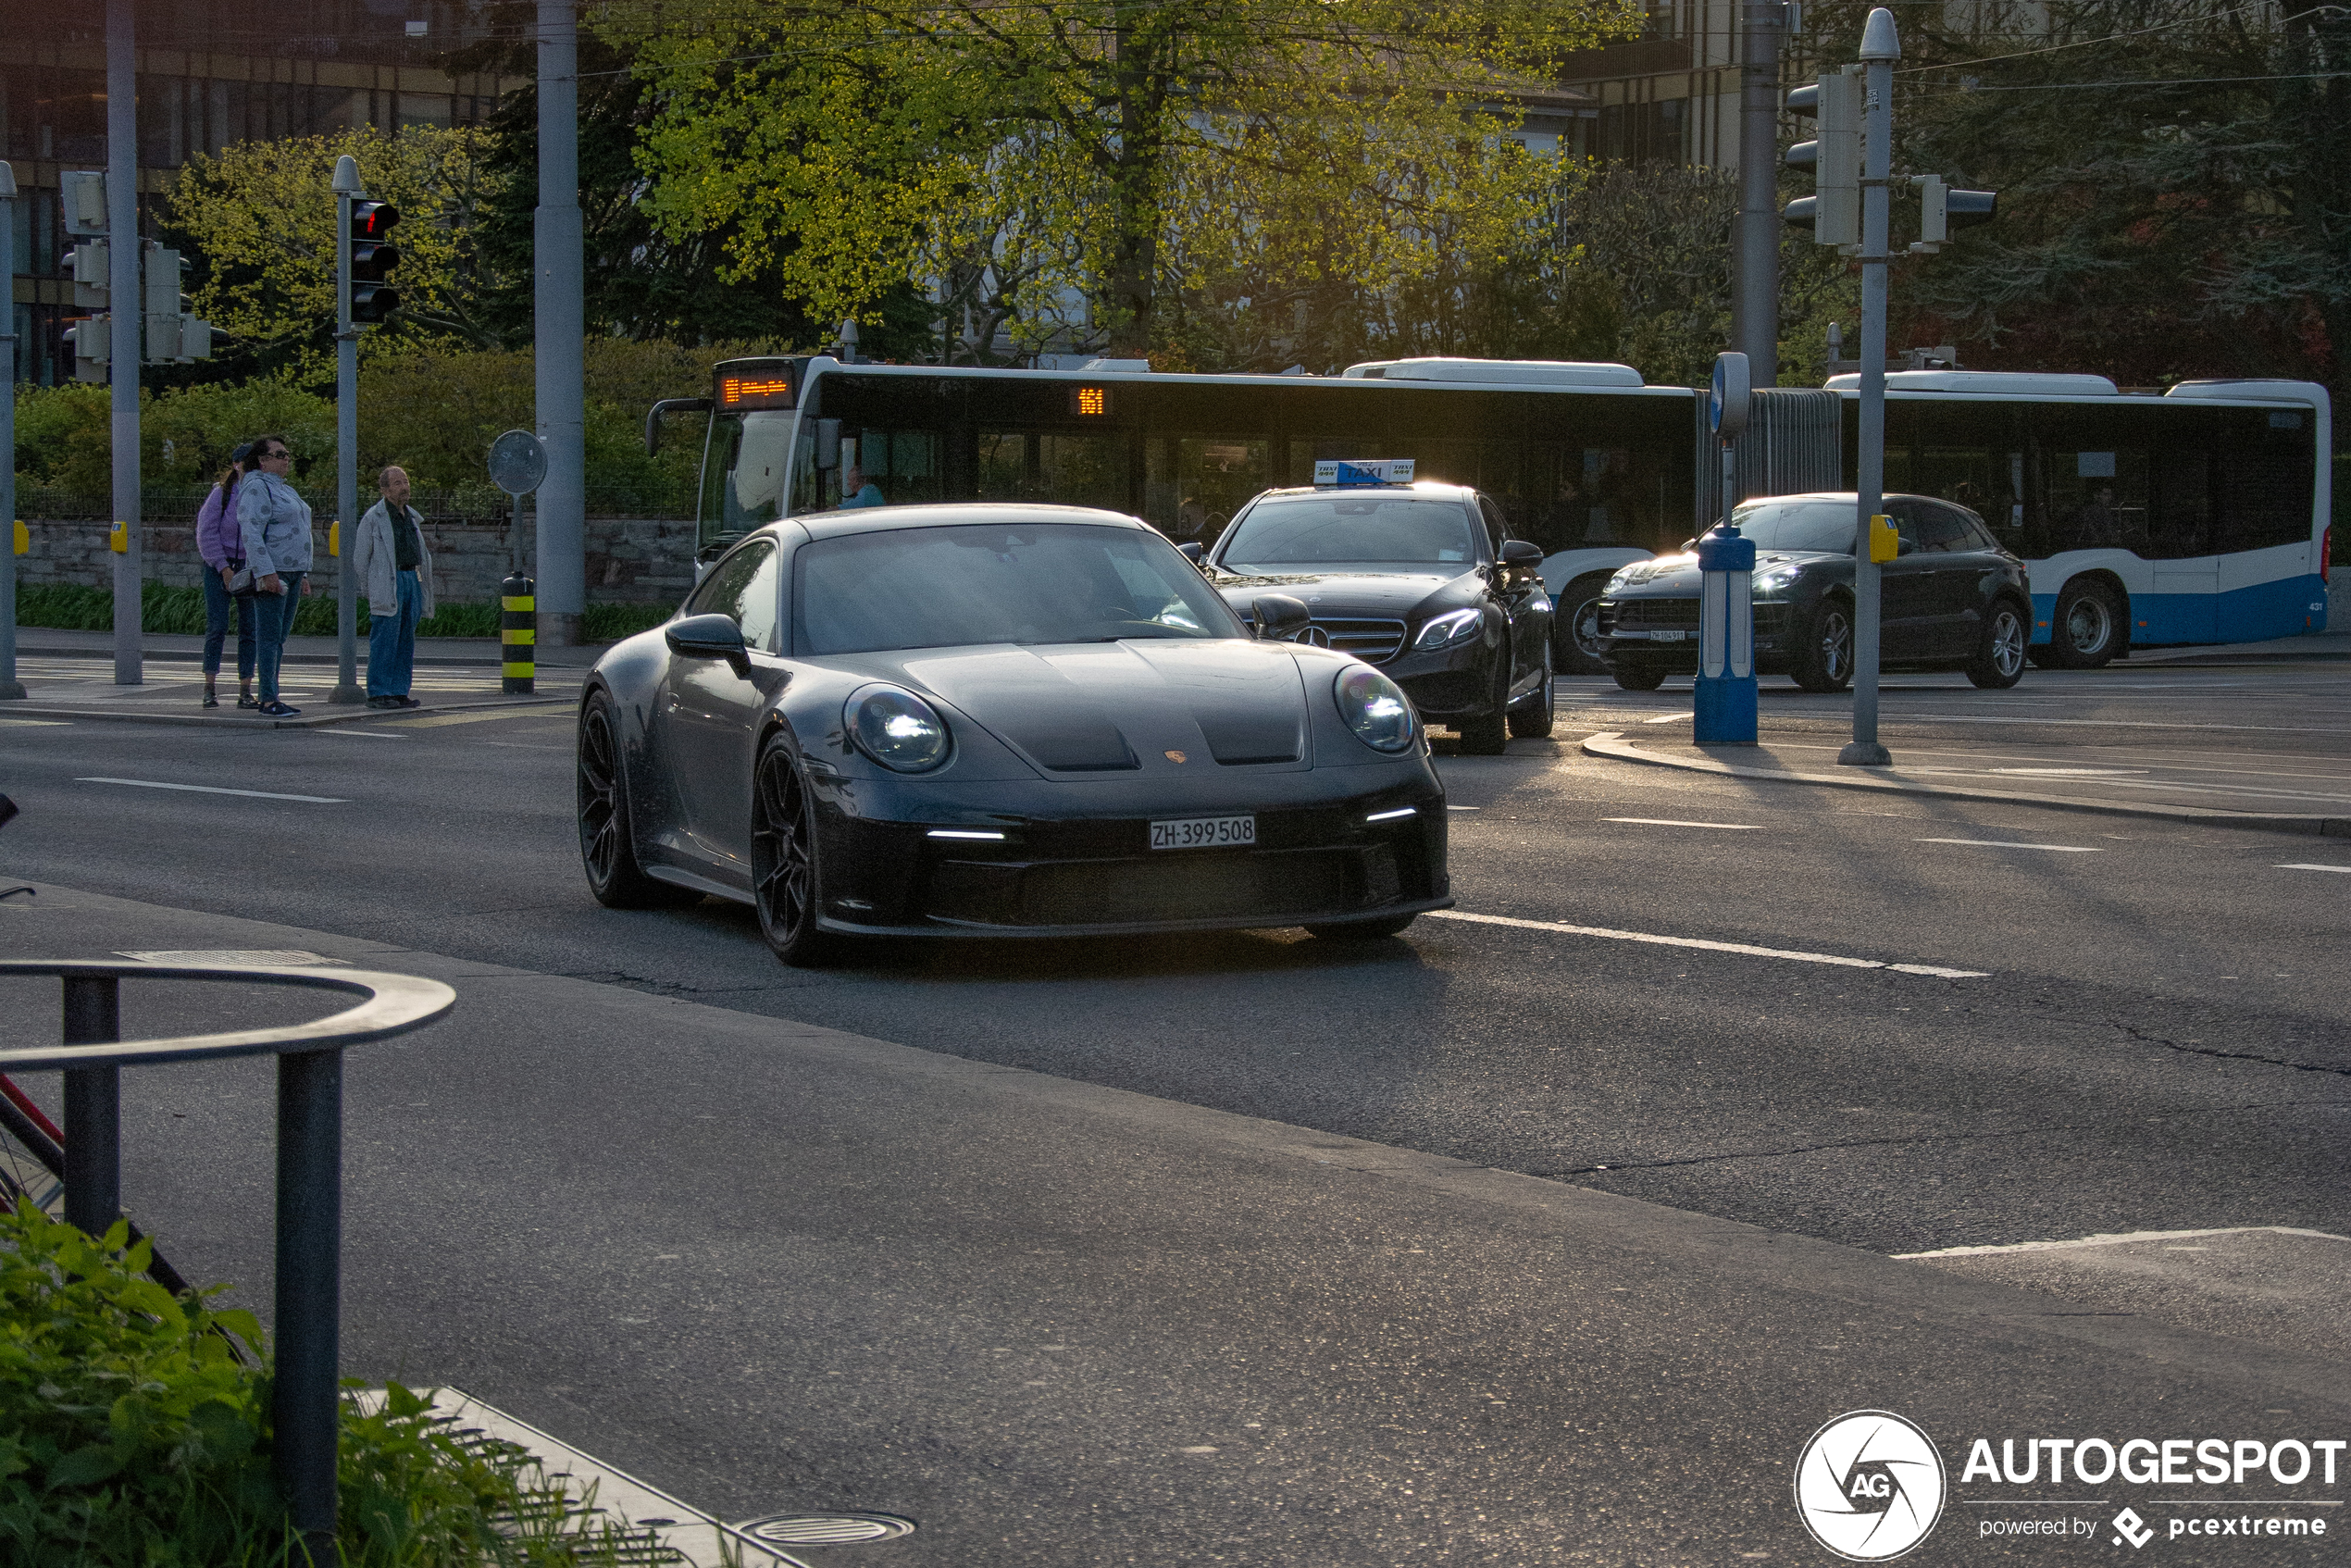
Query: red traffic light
(373, 220)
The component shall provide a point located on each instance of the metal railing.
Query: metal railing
(307, 1327)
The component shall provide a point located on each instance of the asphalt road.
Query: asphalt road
(2150, 1034)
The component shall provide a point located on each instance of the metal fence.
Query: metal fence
(485, 505)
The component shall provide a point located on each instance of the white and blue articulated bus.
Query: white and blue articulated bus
(1584, 460)
(2199, 516)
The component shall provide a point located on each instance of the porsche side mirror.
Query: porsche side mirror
(1279, 616)
(709, 636)
(1519, 556)
(1192, 549)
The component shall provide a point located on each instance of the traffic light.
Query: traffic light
(90, 337)
(372, 260)
(173, 333)
(88, 262)
(1833, 212)
(1942, 209)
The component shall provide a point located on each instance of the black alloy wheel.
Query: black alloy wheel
(1825, 651)
(1531, 718)
(2086, 631)
(1638, 677)
(1575, 628)
(1488, 735)
(784, 880)
(1999, 656)
(1359, 931)
(608, 847)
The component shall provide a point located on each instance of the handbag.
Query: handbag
(240, 581)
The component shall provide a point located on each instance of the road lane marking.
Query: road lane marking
(214, 790)
(364, 735)
(2121, 1238)
(2309, 865)
(2006, 844)
(1464, 808)
(1747, 950)
(1664, 718)
(519, 711)
(35, 723)
(1671, 822)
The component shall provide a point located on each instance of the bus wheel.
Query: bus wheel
(2086, 631)
(1575, 628)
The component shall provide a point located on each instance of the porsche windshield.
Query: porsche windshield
(1825, 526)
(994, 582)
(1372, 533)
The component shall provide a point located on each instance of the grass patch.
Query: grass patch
(132, 1436)
(67, 607)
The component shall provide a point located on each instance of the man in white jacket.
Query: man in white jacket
(396, 571)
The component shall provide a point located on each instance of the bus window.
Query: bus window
(1600, 495)
(2098, 500)
(2179, 512)
(1065, 471)
(904, 465)
(746, 455)
(1215, 476)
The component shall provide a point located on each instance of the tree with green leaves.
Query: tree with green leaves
(1061, 166)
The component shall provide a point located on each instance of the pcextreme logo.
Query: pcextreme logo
(1870, 1485)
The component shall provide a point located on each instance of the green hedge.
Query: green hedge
(164, 609)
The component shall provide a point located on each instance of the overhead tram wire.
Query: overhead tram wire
(2114, 37)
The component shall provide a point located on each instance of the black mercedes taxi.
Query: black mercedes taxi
(1416, 579)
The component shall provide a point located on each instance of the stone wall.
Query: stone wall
(630, 560)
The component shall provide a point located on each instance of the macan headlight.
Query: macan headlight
(898, 730)
(1376, 708)
(1771, 578)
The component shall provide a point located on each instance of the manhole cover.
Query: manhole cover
(827, 1529)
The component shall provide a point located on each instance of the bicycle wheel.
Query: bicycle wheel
(32, 1165)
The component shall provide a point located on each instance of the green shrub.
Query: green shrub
(132, 1436)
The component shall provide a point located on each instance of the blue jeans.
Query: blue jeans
(391, 640)
(216, 601)
(273, 617)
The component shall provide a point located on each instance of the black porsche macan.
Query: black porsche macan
(1953, 599)
(997, 720)
(1416, 579)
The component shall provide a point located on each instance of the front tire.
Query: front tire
(1360, 930)
(1575, 629)
(1488, 735)
(1824, 651)
(2000, 656)
(2086, 631)
(607, 841)
(785, 882)
(1531, 719)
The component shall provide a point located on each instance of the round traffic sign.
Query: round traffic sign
(517, 462)
(1726, 402)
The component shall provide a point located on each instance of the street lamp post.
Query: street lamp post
(11, 689)
(1881, 46)
(347, 191)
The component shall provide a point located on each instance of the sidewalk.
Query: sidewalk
(2325, 646)
(174, 647)
(2308, 795)
(771, 1267)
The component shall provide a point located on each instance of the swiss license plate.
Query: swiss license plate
(1203, 832)
(1668, 636)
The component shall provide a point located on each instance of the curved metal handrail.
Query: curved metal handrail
(395, 1004)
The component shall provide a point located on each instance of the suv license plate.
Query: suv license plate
(1203, 832)
(1671, 636)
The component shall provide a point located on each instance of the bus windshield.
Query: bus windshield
(1022, 583)
(1366, 532)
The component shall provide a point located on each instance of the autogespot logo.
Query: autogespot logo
(1870, 1485)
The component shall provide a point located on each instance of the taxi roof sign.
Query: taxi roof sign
(1369, 470)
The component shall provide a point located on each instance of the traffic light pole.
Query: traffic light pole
(1881, 46)
(1758, 327)
(558, 315)
(123, 303)
(11, 689)
(347, 689)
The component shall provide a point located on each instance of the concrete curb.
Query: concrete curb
(1611, 743)
(354, 714)
(487, 660)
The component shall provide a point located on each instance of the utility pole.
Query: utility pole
(122, 285)
(347, 190)
(558, 314)
(1757, 306)
(1881, 46)
(11, 689)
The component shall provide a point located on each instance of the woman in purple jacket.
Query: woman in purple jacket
(222, 546)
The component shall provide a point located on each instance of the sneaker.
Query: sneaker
(210, 701)
(380, 703)
(408, 701)
(278, 710)
(247, 702)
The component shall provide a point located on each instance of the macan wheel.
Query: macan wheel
(1531, 715)
(1823, 659)
(1999, 654)
(607, 844)
(1575, 628)
(2086, 631)
(785, 881)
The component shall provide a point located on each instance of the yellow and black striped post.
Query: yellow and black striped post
(518, 634)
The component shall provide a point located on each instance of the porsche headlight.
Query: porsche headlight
(1447, 630)
(1376, 708)
(898, 730)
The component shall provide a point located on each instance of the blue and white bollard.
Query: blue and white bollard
(1724, 710)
